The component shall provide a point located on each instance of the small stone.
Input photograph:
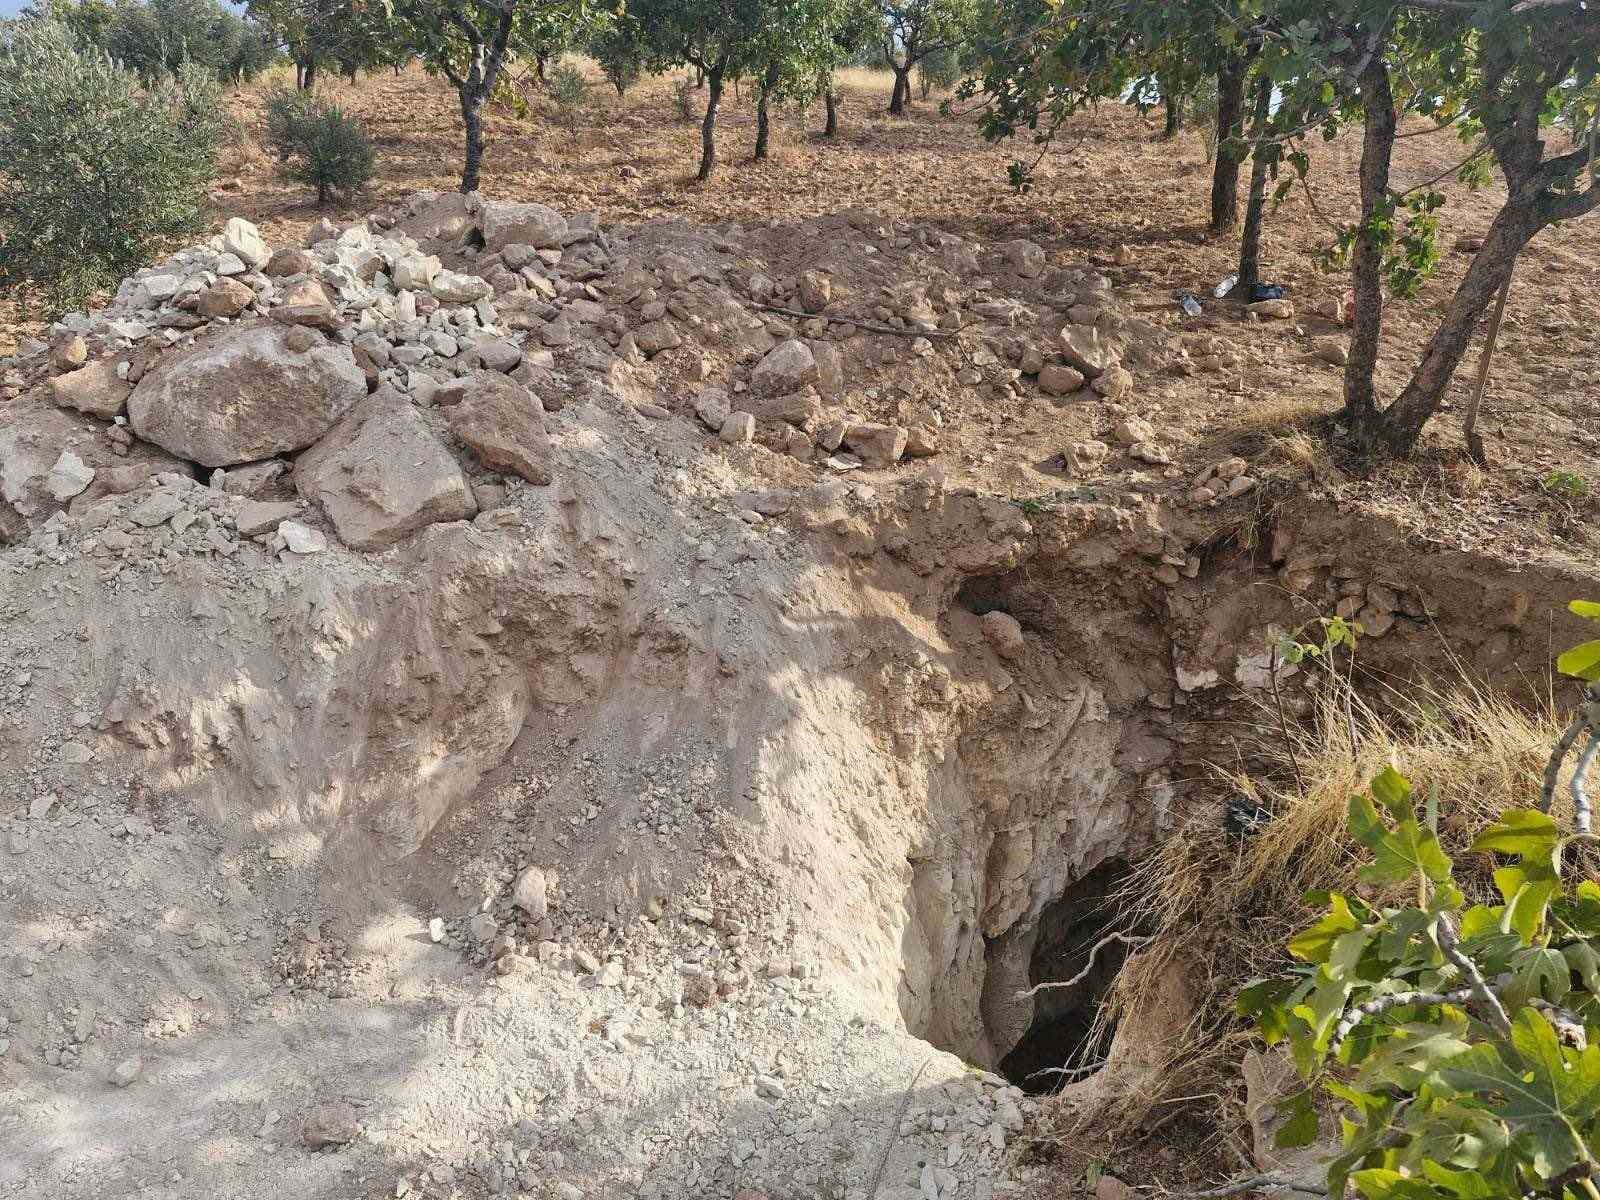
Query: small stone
(1274, 310)
(815, 289)
(1109, 1187)
(1083, 457)
(156, 509)
(225, 298)
(288, 261)
(436, 930)
(302, 539)
(1058, 380)
(257, 517)
(739, 428)
(126, 1071)
(531, 893)
(483, 927)
(69, 353)
(70, 477)
(770, 1088)
(1004, 633)
(331, 1125)
(1332, 350)
(453, 287)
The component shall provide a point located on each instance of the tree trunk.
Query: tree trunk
(830, 100)
(1230, 147)
(763, 124)
(708, 126)
(471, 101)
(1401, 423)
(1255, 212)
(699, 77)
(541, 59)
(1377, 149)
(305, 74)
(1174, 107)
(901, 95)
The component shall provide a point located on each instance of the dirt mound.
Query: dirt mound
(692, 749)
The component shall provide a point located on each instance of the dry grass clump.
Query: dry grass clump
(1219, 906)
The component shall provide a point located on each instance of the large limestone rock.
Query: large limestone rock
(1086, 348)
(94, 389)
(446, 216)
(788, 367)
(244, 240)
(245, 395)
(501, 421)
(532, 224)
(380, 475)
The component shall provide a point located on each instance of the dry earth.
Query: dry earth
(644, 828)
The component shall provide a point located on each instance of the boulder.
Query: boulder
(244, 240)
(501, 421)
(876, 445)
(1114, 383)
(787, 367)
(246, 394)
(224, 298)
(380, 475)
(1083, 457)
(531, 224)
(1084, 347)
(94, 389)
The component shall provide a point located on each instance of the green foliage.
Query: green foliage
(101, 169)
(330, 152)
(1458, 1034)
(568, 89)
(939, 71)
(289, 111)
(351, 36)
(1583, 662)
(158, 37)
(620, 53)
(1565, 483)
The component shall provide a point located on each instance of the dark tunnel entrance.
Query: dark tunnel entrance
(1063, 1032)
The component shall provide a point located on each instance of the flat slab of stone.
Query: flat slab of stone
(380, 475)
(501, 421)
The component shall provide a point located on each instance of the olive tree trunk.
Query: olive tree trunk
(1256, 211)
(830, 101)
(1366, 269)
(708, 125)
(1230, 145)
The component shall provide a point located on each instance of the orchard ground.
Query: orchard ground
(1111, 184)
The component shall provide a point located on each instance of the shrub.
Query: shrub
(100, 170)
(617, 49)
(320, 145)
(290, 112)
(568, 89)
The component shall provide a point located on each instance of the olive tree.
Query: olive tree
(914, 29)
(470, 41)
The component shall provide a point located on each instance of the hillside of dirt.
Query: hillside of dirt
(614, 687)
